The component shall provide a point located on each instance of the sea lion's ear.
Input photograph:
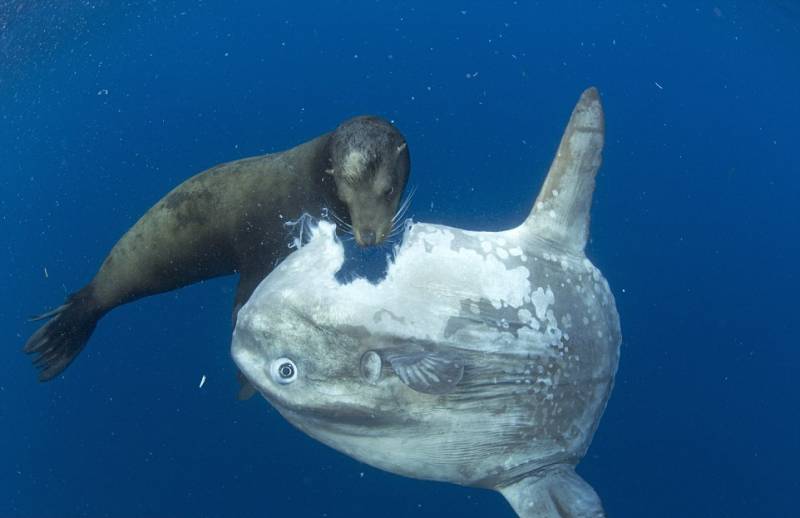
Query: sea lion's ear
(427, 372)
(401, 147)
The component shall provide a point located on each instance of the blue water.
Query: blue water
(104, 107)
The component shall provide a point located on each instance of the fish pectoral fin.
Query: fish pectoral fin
(246, 389)
(427, 372)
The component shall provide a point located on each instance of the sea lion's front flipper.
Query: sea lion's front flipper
(560, 213)
(427, 372)
(554, 492)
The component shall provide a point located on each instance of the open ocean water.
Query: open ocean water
(105, 106)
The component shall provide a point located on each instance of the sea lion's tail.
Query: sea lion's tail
(554, 492)
(65, 334)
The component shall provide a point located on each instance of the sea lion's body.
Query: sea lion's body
(224, 220)
(231, 219)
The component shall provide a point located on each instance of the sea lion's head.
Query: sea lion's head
(368, 159)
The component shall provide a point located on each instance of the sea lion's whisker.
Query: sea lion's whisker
(404, 205)
(401, 210)
(399, 227)
(333, 215)
(340, 222)
(345, 226)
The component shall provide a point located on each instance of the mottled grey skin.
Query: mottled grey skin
(231, 218)
(483, 358)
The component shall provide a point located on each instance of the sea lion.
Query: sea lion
(229, 219)
(482, 359)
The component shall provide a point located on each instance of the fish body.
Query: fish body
(482, 358)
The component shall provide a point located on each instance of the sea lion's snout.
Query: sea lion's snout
(366, 238)
(371, 236)
(373, 232)
(371, 218)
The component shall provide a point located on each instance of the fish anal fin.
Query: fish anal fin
(554, 492)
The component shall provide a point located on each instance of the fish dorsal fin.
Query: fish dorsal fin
(560, 213)
(427, 372)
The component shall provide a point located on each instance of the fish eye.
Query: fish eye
(284, 371)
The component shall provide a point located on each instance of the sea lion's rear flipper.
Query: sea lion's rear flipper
(64, 335)
(560, 213)
(555, 492)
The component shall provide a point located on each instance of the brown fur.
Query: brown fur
(225, 220)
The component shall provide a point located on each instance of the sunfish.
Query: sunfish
(482, 358)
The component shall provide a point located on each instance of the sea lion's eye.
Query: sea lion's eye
(284, 371)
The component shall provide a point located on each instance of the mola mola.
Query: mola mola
(482, 358)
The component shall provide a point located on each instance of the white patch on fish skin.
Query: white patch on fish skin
(432, 236)
(426, 267)
(541, 300)
(566, 321)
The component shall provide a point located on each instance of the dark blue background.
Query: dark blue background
(105, 106)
